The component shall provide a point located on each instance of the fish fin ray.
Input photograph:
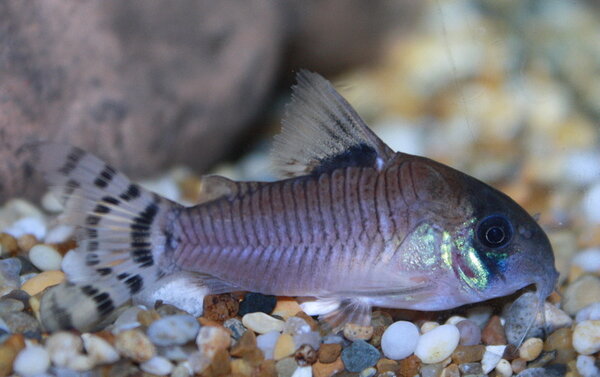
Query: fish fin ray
(213, 187)
(321, 131)
(351, 310)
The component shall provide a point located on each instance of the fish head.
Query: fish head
(507, 248)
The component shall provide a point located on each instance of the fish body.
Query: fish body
(354, 225)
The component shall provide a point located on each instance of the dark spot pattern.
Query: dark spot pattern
(72, 160)
(132, 192)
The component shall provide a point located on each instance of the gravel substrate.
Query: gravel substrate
(537, 139)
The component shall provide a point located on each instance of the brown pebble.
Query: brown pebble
(220, 307)
(327, 370)
(493, 333)
(353, 332)
(518, 365)
(305, 355)
(377, 334)
(246, 342)
(386, 365)
(65, 246)
(209, 322)
(9, 244)
(544, 359)
(240, 367)
(314, 326)
(468, 354)
(9, 351)
(328, 353)
(135, 345)
(409, 366)
(146, 317)
(559, 340)
(380, 318)
(451, 371)
(26, 242)
(511, 352)
(265, 368)
(220, 365)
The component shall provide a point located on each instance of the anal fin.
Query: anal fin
(337, 313)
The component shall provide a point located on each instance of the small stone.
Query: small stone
(378, 332)
(562, 341)
(236, 327)
(491, 357)
(26, 242)
(586, 337)
(246, 347)
(173, 330)
(135, 345)
(428, 326)
(32, 225)
(503, 368)
(470, 333)
(8, 244)
(368, 372)
(588, 260)
(454, 320)
(470, 368)
(518, 365)
(212, 338)
(327, 370)
(438, 344)
(590, 312)
(128, 319)
(262, 323)
(266, 343)
(360, 355)
(328, 353)
(308, 319)
(380, 318)
(431, 370)
(9, 351)
(62, 347)
(400, 340)
(266, 368)
(586, 366)
(22, 323)
(10, 305)
(61, 234)
(531, 349)
(544, 359)
(296, 325)
(286, 308)
(221, 364)
(256, 302)
(9, 275)
(99, 350)
(182, 370)
(493, 332)
(468, 354)
(157, 365)
(387, 365)
(305, 355)
(45, 257)
(303, 372)
(42, 281)
(166, 310)
(409, 366)
(240, 367)
(451, 371)
(220, 307)
(147, 317)
(581, 293)
(31, 361)
(286, 367)
(354, 332)
(312, 338)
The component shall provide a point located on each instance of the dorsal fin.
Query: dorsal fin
(322, 132)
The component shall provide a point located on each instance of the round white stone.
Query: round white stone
(31, 361)
(588, 260)
(586, 366)
(437, 344)
(27, 225)
(590, 312)
(63, 346)
(45, 257)
(399, 340)
(101, 351)
(504, 369)
(173, 330)
(157, 365)
(586, 337)
(262, 323)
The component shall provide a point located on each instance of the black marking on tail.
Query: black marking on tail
(104, 303)
(73, 159)
(132, 192)
(104, 271)
(140, 234)
(105, 176)
(134, 283)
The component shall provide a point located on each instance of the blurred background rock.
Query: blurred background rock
(150, 84)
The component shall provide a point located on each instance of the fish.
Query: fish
(351, 225)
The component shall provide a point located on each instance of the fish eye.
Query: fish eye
(494, 231)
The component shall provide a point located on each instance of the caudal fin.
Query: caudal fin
(123, 233)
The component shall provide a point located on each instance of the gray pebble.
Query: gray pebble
(470, 333)
(22, 323)
(286, 367)
(236, 327)
(544, 359)
(431, 370)
(9, 275)
(470, 368)
(518, 317)
(11, 305)
(581, 293)
(173, 330)
(165, 310)
(66, 372)
(554, 371)
(360, 355)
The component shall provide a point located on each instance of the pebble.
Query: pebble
(11, 305)
(470, 333)
(451, 371)
(428, 326)
(296, 325)
(305, 355)
(284, 346)
(329, 352)
(286, 308)
(588, 260)
(531, 349)
(32, 360)
(157, 365)
(256, 302)
(22, 323)
(468, 354)
(493, 332)
(503, 368)
(8, 244)
(128, 319)
(45, 257)
(42, 281)
(173, 330)
(470, 368)
(581, 293)
(327, 370)
(266, 343)
(409, 366)
(590, 312)
(431, 370)
(26, 242)
(312, 338)
(380, 318)
(286, 367)
(590, 204)
(437, 344)
(33, 225)
(400, 340)
(9, 350)
(220, 307)
(353, 331)
(303, 372)
(135, 345)
(491, 357)
(212, 338)
(518, 365)
(99, 350)
(385, 365)
(60, 234)
(480, 315)
(586, 366)
(586, 337)
(62, 347)
(9, 275)
(262, 323)
(360, 355)
(182, 370)
(236, 327)
(240, 367)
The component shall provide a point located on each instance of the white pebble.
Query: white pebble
(590, 312)
(302, 372)
(504, 369)
(157, 365)
(101, 351)
(262, 323)
(491, 357)
(312, 338)
(588, 260)
(437, 344)
(45, 257)
(266, 343)
(591, 204)
(51, 203)
(127, 320)
(586, 337)
(32, 360)
(27, 225)
(212, 339)
(182, 370)
(399, 340)
(296, 325)
(59, 233)
(455, 319)
(173, 330)
(428, 326)
(586, 366)
(63, 346)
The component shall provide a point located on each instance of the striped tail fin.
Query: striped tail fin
(123, 234)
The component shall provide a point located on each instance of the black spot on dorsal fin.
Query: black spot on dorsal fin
(356, 155)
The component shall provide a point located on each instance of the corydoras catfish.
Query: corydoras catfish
(352, 225)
